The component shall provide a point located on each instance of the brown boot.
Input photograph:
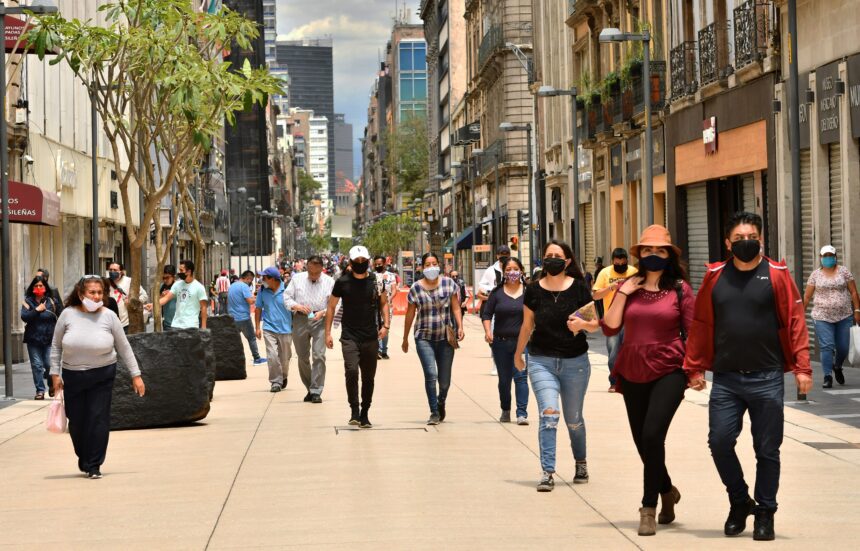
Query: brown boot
(647, 523)
(669, 499)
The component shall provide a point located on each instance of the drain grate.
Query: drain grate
(833, 445)
(348, 428)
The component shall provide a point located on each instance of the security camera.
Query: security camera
(30, 160)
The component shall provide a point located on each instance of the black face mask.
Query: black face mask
(379, 269)
(360, 267)
(553, 266)
(653, 263)
(746, 250)
(620, 268)
(181, 275)
(114, 275)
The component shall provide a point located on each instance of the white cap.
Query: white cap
(358, 252)
(827, 249)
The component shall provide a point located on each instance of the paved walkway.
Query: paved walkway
(269, 471)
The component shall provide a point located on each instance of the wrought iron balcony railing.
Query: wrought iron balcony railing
(752, 27)
(492, 42)
(658, 88)
(683, 70)
(708, 65)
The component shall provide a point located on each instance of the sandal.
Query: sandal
(51, 392)
(40, 396)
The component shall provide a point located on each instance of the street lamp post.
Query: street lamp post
(264, 224)
(497, 222)
(249, 203)
(546, 92)
(255, 214)
(508, 127)
(38, 8)
(613, 35)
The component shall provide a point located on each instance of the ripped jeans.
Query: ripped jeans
(552, 378)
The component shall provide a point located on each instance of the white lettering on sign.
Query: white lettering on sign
(803, 114)
(21, 212)
(854, 95)
(829, 123)
(827, 84)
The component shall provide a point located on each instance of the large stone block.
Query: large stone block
(178, 369)
(228, 349)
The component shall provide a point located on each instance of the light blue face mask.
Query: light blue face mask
(828, 261)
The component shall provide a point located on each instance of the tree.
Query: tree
(392, 234)
(407, 160)
(308, 186)
(156, 76)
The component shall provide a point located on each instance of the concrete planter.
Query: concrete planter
(178, 368)
(228, 349)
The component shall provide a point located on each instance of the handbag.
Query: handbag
(57, 421)
(854, 349)
(450, 329)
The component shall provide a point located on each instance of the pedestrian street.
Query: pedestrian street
(266, 470)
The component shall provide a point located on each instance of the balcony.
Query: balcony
(752, 28)
(493, 41)
(658, 88)
(682, 59)
(713, 54)
(576, 7)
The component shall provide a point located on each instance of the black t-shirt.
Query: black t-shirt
(508, 312)
(359, 311)
(551, 337)
(746, 327)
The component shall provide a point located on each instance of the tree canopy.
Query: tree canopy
(407, 159)
(392, 234)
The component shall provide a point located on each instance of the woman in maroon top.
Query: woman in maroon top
(656, 311)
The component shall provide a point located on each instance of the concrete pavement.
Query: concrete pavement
(269, 471)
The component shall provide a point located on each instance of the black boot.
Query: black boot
(365, 420)
(763, 525)
(354, 416)
(441, 410)
(737, 521)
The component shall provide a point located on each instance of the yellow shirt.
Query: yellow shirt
(607, 277)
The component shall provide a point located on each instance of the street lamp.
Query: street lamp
(249, 203)
(611, 35)
(39, 7)
(527, 128)
(549, 92)
(264, 218)
(255, 213)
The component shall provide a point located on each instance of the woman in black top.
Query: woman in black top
(558, 362)
(39, 311)
(506, 304)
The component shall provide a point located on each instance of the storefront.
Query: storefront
(719, 157)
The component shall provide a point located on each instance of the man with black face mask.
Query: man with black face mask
(605, 286)
(749, 326)
(363, 306)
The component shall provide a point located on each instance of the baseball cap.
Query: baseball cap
(827, 249)
(271, 271)
(358, 252)
(223, 272)
(503, 249)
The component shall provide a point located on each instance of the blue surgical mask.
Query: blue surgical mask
(828, 261)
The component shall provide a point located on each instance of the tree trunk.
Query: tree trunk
(135, 307)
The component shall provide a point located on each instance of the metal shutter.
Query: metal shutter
(697, 232)
(836, 231)
(588, 232)
(748, 192)
(808, 254)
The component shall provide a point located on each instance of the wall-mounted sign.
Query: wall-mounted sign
(854, 93)
(828, 103)
(633, 158)
(33, 205)
(615, 165)
(483, 248)
(709, 135)
(803, 108)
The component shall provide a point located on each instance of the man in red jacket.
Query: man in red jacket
(748, 328)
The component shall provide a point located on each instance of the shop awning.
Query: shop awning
(33, 205)
(464, 240)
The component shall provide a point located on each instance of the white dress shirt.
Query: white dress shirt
(303, 292)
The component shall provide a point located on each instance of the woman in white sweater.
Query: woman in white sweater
(83, 362)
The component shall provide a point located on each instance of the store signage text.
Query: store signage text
(829, 108)
(709, 135)
(828, 103)
(853, 64)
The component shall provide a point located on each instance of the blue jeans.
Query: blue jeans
(383, 345)
(503, 355)
(436, 358)
(613, 345)
(833, 340)
(553, 378)
(246, 327)
(40, 364)
(760, 393)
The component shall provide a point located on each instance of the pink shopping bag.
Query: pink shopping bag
(56, 421)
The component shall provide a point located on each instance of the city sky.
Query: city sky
(360, 30)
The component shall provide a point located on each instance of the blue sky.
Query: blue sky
(360, 30)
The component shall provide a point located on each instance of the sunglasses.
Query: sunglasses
(90, 277)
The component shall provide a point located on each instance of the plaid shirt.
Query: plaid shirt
(433, 311)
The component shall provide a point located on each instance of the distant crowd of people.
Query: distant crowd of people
(746, 325)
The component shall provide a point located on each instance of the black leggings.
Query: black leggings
(650, 409)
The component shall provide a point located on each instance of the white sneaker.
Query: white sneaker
(494, 372)
(522, 421)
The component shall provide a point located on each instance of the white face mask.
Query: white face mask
(431, 273)
(91, 305)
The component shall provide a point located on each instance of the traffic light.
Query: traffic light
(523, 221)
(515, 241)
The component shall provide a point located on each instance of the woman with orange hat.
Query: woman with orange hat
(655, 309)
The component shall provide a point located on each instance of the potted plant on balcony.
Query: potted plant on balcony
(589, 95)
(607, 88)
